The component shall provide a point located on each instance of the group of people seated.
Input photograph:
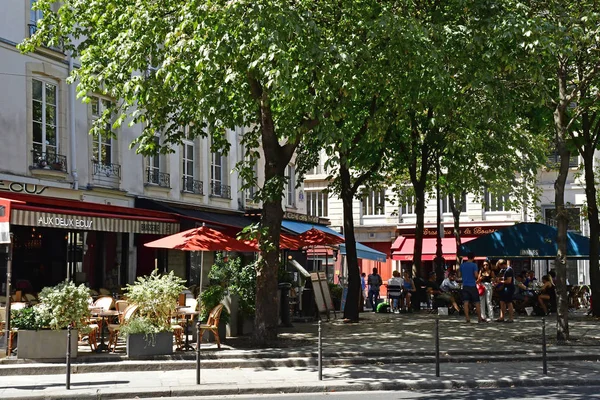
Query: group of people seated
(496, 283)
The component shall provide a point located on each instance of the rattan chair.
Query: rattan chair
(113, 329)
(212, 323)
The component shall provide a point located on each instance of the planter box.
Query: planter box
(138, 347)
(45, 344)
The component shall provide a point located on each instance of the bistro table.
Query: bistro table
(104, 314)
(187, 313)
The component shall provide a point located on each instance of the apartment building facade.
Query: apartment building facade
(87, 204)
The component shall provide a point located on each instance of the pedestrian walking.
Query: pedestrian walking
(470, 273)
(486, 276)
(363, 288)
(374, 281)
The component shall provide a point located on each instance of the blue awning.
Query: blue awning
(362, 251)
(301, 227)
(365, 252)
(526, 240)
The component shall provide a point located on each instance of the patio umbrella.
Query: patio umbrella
(200, 239)
(316, 237)
(286, 242)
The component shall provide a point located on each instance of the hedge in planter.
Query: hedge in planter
(42, 329)
(156, 296)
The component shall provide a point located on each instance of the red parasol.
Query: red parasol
(315, 237)
(286, 242)
(201, 239)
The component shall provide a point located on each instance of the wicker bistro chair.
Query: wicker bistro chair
(178, 324)
(105, 303)
(113, 329)
(212, 324)
(121, 306)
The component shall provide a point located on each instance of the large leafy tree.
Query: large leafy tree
(212, 66)
(556, 44)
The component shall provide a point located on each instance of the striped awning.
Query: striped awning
(94, 222)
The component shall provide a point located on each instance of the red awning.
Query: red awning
(403, 248)
(52, 212)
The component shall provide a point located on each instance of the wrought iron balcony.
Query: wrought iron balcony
(49, 160)
(60, 47)
(108, 170)
(192, 186)
(219, 190)
(154, 177)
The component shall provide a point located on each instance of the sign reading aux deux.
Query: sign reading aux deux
(73, 222)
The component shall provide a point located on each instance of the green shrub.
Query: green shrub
(63, 305)
(156, 296)
(27, 319)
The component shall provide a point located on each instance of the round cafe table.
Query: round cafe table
(104, 314)
(187, 313)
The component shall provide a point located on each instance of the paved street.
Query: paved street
(571, 392)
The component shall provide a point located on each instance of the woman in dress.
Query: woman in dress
(409, 289)
(486, 276)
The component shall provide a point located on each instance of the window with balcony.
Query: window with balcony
(496, 202)
(373, 203)
(291, 186)
(460, 202)
(154, 170)
(218, 187)
(34, 17)
(574, 218)
(188, 170)
(45, 141)
(316, 203)
(102, 143)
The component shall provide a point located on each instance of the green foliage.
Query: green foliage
(63, 305)
(156, 296)
(229, 276)
(336, 291)
(141, 325)
(28, 319)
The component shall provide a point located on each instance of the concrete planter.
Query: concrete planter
(160, 345)
(45, 344)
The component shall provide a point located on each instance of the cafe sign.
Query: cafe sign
(67, 223)
(530, 252)
(18, 187)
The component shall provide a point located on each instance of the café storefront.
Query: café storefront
(96, 244)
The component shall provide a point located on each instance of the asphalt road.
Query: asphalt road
(586, 392)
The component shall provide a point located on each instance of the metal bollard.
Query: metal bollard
(320, 359)
(437, 347)
(68, 357)
(198, 353)
(544, 360)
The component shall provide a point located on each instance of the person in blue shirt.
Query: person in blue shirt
(470, 272)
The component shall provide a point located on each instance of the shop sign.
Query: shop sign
(18, 187)
(529, 252)
(65, 222)
(464, 231)
(151, 228)
(300, 217)
(4, 221)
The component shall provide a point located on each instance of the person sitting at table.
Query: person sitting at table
(434, 290)
(530, 279)
(409, 289)
(522, 295)
(547, 294)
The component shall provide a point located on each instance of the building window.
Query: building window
(373, 203)
(253, 190)
(316, 203)
(408, 207)
(155, 166)
(188, 168)
(496, 202)
(291, 186)
(45, 116)
(574, 213)
(460, 203)
(102, 142)
(34, 15)
(554, 159)
(217, 176)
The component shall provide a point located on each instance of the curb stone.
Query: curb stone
(317, 387)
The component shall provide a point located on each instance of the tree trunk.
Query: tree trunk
(419, 228)
(351, 309)
(592, 214)
(456, 219)
(562, 219)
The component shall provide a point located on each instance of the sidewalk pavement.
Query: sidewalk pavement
(384, 351)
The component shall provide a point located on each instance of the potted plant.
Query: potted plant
(42, 330)
(149, 332)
